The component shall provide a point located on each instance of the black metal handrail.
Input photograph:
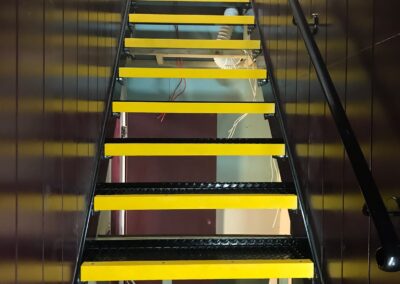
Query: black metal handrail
(388, 255)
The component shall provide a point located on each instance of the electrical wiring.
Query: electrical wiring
(231, 132)
(162, 115)
(278, 211)
(275, 176)
(175, 95)
(179, 90)
(253, 86)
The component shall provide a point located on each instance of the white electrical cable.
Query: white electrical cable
(253, 86)
(275, 176)
(278, 211)
(122, 213)
(225, 33)
(277, 173)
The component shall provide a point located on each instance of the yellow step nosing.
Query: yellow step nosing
(193, 149)
(193, 107)
(200, 1)
(192, 73)
(196, 269)
(191, 43)
(194, 201)
(191, 19)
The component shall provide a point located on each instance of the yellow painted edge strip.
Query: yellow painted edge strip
(194, 201)
(192, 107)
(196, 269)
(200, 1)
(194, 73)
(191, 43)
(191, 19)
(192, 149)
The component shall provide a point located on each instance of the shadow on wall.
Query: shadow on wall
(56, 64)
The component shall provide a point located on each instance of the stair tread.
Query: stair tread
(193, 107)
(195, 73)
(211, 1)
(196, 102)
(193, 147)
(196, 188)
(196, 248)
(190, 19)
(196, 196)
(185, 258)
(196, 140)
(191, 43)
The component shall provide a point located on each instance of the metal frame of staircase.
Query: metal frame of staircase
(387, 256)
(257, 268)
(274, 265)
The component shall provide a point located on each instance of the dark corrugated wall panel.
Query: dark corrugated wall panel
(359, 40)
(56, 60)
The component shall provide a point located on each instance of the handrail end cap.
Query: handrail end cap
(388, 261)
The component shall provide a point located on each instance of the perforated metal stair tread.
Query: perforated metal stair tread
(197, 140)
(214, 257)
(196, 248)
(195, 188)
(185, 196)
(138, 5)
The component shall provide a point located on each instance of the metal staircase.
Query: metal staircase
(190, 257)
